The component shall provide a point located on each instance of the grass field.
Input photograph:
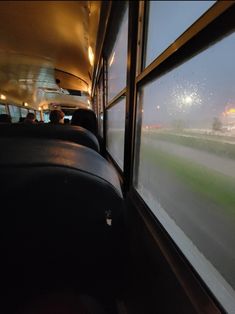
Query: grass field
(206, 182)
(219, 145)
(214, 186)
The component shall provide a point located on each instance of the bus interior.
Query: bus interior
(135, 213)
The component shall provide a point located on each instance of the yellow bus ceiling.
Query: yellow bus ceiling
(42, 41)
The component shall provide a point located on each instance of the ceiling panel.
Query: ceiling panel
(45, 40)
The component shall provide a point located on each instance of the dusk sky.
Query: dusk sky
(196, 91)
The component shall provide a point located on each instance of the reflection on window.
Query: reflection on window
(117, 62)
(115, 131)
(185, 169)
(101, 124)
(168, 20)
(15, 113)
(3, 109)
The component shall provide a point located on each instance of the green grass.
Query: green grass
(212, 185)
(209, 143)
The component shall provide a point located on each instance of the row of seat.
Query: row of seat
(61, 224)
(75, 134)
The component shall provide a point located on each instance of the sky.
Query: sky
(202, 87)
(198, 90)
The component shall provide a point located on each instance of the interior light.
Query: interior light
(26, 104)
(3, 97)
(91, 56)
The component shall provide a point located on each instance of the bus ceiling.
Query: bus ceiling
(47, 51)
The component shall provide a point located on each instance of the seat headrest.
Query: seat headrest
(33, 153)
(70, 133)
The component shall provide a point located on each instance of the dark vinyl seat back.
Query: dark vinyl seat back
(70, 133)
(85, 118)
(54, 226)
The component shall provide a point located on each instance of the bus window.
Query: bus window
(100, 106)
(15, 113)
(100, 124)
(117, 64)
(38, 115)
(117, 61)
(186, 166)
(3, 109)
(100, 95)
(46, 116)
(24, 112)
(161, 33)
(116, 130)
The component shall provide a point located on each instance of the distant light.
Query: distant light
(231, 110)
(91, 56)
(158, 107)
(3, 97)
(188, 99)
(26, 104)
(112, 59)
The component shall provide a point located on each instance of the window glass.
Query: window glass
(185, 169)
(3, 109)
(161, 32)
(68, 117)
(15, 113)
(101, 124)
(38, 116)
(100, 106)
(46, 116)
(23, 112)
(117, 61)
(100, 95)
(115, 131)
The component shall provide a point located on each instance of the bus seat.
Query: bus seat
(63, 216)
(71, 133)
